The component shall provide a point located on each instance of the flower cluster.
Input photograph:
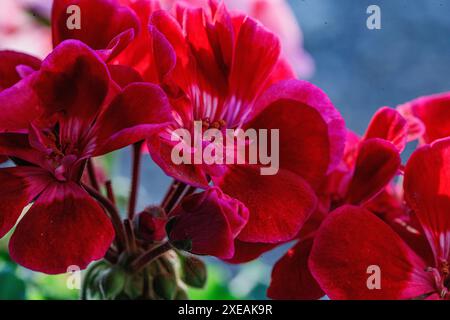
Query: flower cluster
(136, 72)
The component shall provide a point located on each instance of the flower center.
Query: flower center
(207, 124)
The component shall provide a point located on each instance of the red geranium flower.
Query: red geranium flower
(226, 76)
(368, 166)
(352, 239)
(53, 121)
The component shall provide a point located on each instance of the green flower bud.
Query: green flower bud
(193, 272)
(112, 282)
(165, 286)
(181, 295)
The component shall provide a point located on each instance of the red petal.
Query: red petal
(124, 75)
(434, 112)
(353, 239)
(279, 204)
(160, 150)
(211, 220)
(19, 106)
(377, 163)
(312, 133)
(248, 251)
(16, 145)
(291, 278)
(101, 21)
(138, 111)
(64, 227)
(18, 187)
(73, 80)
(256, 53)
(427, 192)
(388, 124)
(9, 61)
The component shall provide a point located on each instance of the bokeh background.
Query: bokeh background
(360, 69)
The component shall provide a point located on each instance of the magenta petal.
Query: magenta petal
(19, 105)
(9, 61)
(64, 227)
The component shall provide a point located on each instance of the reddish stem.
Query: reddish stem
(131, 238)
(113, 213)
(137, 150)
(110, 192)
(149, 256)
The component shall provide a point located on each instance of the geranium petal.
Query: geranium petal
(18, 187)
(350, 241)
(210, 220)
(64, 227)
(73, 80)
(388, 124)
(255, 55)
(427, 192)
(312, 132)
(9, 61)
(101, 22)
(291, 278)
(434, 112)
(377, 163)
(279, 205)
(138, 111)
(19, 106)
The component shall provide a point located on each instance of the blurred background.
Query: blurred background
(360, 69)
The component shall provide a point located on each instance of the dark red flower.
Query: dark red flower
(224, 78)
(76, 112)
(352, 239)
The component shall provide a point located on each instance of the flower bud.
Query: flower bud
(181, 295)
(151, 224)
(112, 282)
(165, 286)
(193, 272)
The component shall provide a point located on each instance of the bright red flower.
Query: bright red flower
(73, 112)
(210, 221)
(352, 239)
(224, 75)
